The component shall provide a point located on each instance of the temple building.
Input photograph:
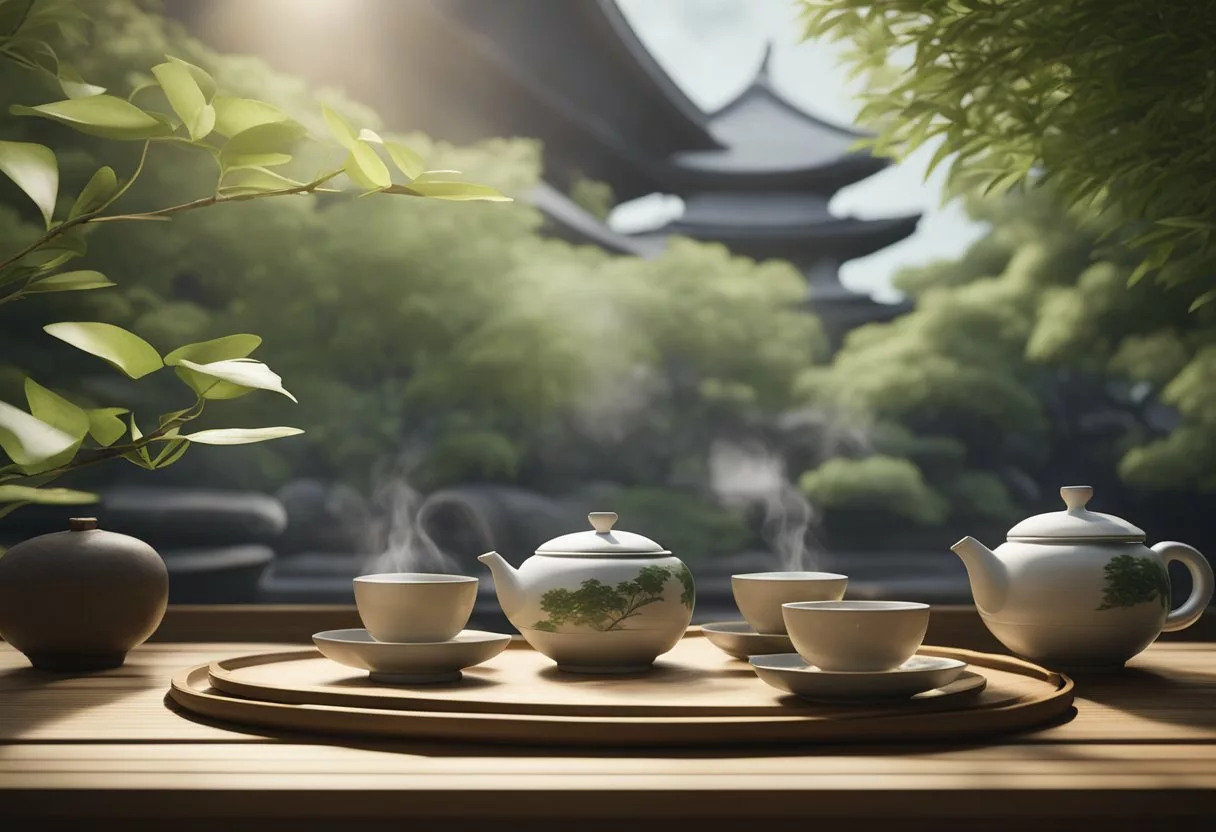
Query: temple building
(756, 175)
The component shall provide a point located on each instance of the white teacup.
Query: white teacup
(759, 595)
(414, 606)
(856, 636)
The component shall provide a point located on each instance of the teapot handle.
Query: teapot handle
(1201, 579)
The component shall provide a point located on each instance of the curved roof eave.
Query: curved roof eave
(762, 85)
(693, 116)
(835, 228)
(683, 174)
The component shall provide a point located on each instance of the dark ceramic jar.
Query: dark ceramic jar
(80, 599)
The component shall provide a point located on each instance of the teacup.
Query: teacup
(856, 636)
(414, 606)
(759, 595)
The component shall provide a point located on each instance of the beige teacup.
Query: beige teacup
(856, 636)
(414, 606)
(759, 595)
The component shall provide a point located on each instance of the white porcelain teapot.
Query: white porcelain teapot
(601, 601)
(1078, 588)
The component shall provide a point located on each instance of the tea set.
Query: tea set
(1071, 589)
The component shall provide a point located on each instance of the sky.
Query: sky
(712, 49)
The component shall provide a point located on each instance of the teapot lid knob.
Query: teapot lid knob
(82, 524)
(602, 521)
(1076, 496)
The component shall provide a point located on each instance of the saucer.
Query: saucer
(791, 673)
(427, 662)
(739, 639)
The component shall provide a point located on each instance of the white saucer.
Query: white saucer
(429, 662)
(791, 673)
(738, 639)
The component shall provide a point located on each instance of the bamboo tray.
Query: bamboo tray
(696, 696)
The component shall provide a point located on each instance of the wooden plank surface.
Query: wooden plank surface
(1141, 746)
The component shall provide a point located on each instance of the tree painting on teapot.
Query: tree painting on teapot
(1131, 580)
(603, 607)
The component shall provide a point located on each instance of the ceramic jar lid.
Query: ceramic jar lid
(1076, 523)
(603, 541)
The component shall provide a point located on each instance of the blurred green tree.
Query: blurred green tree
(1112, 100)
(498, 354)
(1026, 360)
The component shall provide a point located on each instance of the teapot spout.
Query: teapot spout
(986, 572)
(506, 583)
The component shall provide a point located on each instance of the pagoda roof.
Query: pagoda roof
(839, 239)
(567, 220)
(576, 76)
(769, 142)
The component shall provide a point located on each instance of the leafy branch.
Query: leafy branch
(250, 141)
(1112, 101)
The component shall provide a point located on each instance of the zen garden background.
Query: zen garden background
(706, 308)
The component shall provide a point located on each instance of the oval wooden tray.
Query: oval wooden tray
(695, 696)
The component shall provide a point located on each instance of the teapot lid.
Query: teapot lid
(603, 541)
(1077, 522)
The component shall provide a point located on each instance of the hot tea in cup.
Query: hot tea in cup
(414, 606)
(759, 595)
(856, 636)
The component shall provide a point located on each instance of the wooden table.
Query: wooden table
(1140, 753)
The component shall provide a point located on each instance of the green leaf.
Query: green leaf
(125, 350)
(34, 169)
(254, 181)
(217, 349)
(458, 191)
(140, 455)
(100, 115)
(27, 440)
(244, 372)
(96, 193)
(265, 145)
(59, 413)
(104, 425)
(365, 168)
(406, 160)
(186, 98)
(1203, 300)
(48, 406)
(45, 496)
(171, 453)
(206, 84)
(236, 115)
(205, 352)
(73, 85)
(240, 436)
(340, 129)
(70, 282)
